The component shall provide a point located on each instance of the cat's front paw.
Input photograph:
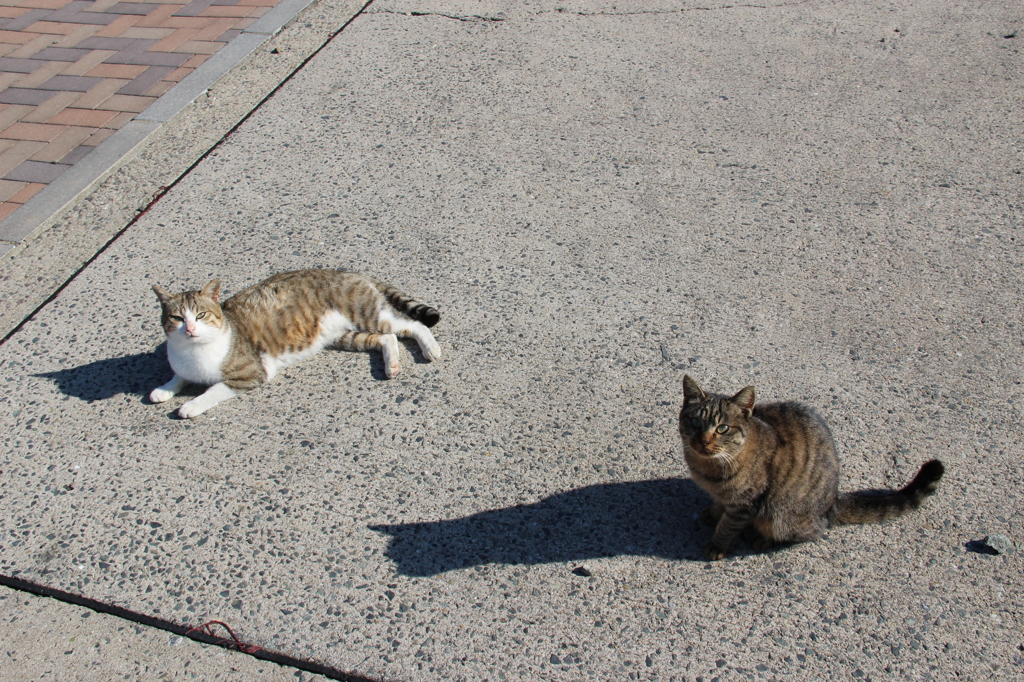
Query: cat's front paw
(191, 409)
(160, 395)
(713, 552)
(710, 516)
(761, 543)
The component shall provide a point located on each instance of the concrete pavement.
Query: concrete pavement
(52, 236)
(45, 639)
(820, 199)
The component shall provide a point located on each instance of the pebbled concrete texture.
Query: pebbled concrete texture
(45, 639)
(819, 199)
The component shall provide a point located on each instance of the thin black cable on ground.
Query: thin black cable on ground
(164, 190)
(196, 633)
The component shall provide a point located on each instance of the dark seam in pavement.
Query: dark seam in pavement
(583, 13)
(473, 17)
(709, 8)
(456, 17)
(164, 190)
(192, 633)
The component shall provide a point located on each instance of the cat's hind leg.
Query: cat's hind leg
(770, 532)
(761, 534)
(406, 327)
(387, 343)
(167, 391)
(807, 529)
(389, 347)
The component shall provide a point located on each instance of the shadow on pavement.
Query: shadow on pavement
(641, 518)
(104, 379)
(140, 374)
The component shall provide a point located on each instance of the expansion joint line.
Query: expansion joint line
(200, 633)
(585, 13)
(682, 10)
(443, 15)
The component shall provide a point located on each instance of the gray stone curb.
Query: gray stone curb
(274, 20)
(80, 178)
(199, 81)
(35, 214)
(91, 203)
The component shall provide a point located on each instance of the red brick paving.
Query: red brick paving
(74, 71)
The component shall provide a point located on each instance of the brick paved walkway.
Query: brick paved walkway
(74, 71)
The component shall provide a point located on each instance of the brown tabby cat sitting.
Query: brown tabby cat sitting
(774, 467)
(240, 343)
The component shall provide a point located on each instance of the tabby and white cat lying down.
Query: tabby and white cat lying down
(240, 343)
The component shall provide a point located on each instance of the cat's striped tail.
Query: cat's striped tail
(409, 306)
(872, 506)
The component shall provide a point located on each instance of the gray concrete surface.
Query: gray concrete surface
(65, 225)
(45, 639)
(821, 199)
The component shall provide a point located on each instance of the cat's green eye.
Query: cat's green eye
(694, 422)
(722, 428)
(176, 318)
(200, 316)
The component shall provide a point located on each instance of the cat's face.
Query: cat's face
(714, 425)
(192, 316)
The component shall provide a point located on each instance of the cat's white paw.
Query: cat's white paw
(191, 409)
(389, 346)
(432, 352)
(160, 395)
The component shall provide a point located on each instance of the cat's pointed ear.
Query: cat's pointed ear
(745, 400)
(212, 290)
(692, 392)
(161, 293)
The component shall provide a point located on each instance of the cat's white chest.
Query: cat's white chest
(333, 326)
(199, 363)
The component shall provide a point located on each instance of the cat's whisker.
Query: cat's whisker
(728, 460)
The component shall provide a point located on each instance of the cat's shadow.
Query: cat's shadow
(656, 518)
(638, 518)
(103, 379)
(139, 374)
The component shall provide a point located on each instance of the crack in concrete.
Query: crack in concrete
(584, 13)
(456, 17)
